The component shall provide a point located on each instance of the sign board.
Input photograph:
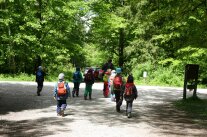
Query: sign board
(144, 74)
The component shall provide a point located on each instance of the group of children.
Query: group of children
(119, 88)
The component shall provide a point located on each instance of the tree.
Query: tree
(40, 32)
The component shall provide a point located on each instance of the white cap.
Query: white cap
(113, 71)
(61, 76)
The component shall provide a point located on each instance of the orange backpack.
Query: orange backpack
(61, 89)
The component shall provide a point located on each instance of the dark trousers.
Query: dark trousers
(39, 86)
(129, 106)
(119, 99)
(61, 104)
(76, 88)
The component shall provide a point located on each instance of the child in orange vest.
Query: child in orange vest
(60, 94)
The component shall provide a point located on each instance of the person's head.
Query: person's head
(110, 60)
(107, 73)
(113, 72)
(61, 76)
(90, 70)
(130, 79)
(77, 69)
(118, 70)
(40, 68)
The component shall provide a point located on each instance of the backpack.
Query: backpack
(40, 75)
(61, 89)
(88, 77)
(117, 82)
(76, 75)
(109, 66)
(128, 89)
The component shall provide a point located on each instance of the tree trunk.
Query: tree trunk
(39, 16)
(39, 34)
(121, 47)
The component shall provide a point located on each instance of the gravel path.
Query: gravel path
(23, 114)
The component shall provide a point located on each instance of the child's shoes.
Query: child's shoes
(129, 115)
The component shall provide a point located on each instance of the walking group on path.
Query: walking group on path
(114, 83)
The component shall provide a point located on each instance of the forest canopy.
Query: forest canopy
(159, 37)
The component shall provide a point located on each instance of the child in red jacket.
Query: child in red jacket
(130, 93)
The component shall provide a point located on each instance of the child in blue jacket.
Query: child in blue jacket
(77, 79)
(60, 94)
(40, 74)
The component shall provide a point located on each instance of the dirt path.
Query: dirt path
(23, 114)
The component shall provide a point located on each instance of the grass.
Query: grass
(31, 77)
(23, 77)
(52, 78)
(17, 77)
(195, 108)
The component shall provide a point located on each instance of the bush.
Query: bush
(50, 76)
(17, 77)
(166, 76)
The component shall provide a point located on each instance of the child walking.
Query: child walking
(130, 93)
(77, 79)
(118, 82)
(40, 74)
(106, 84)
(111, 78)
(60, 94)
(89, 80)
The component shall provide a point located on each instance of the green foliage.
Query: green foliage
(159, 37)
(158, 75)
(17, 77)
(166, 76)
(52, 30)
(94, 57)
(51, 77)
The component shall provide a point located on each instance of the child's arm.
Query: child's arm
(68, 90)
(135, 92)
(81, 77)
(105, 78)
(55, 92)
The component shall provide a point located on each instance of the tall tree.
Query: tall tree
(49, 31)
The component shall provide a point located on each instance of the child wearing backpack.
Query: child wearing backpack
(60, 94)
(40, 74)
(89, 80)
(118, 82)
(130, 93)
(111, 78)
(106, 84)
(77, 79)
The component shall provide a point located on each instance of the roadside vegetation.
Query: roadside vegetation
(195, 108)
(157, 37)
